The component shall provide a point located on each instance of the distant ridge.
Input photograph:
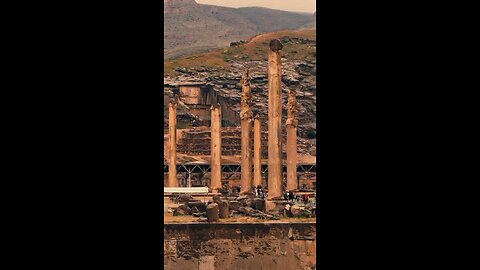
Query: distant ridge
(191, 27)
(312, 23)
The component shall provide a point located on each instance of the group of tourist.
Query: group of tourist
(258, 191)
(290, 196)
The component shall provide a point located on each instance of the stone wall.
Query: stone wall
(225, 246)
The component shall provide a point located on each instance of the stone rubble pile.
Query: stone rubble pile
(222, 207)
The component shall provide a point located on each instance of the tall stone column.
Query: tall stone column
(257, 151)
(274, 120)
(172, 143)
(246, 117)
(292, 124)
(216, 148)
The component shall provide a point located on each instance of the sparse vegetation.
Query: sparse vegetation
(254, 49)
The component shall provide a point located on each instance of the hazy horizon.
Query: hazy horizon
(308, 6)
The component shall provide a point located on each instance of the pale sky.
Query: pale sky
(288, 5)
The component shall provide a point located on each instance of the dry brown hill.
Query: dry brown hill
(254, 49)
(191, 27)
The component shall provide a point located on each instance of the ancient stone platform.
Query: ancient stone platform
(227, 246)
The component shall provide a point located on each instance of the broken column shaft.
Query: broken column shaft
(246, 117)
(274, 121)
(172, 143)
(292, 124)
(216, 148)
(257, 152)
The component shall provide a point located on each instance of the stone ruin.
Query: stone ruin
(233, 205)
(217, 142)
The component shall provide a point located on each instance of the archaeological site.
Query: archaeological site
(240, 174)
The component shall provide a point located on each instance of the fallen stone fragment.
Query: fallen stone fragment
(240, 198)
(202, 207)
(248, 202)
(184, 198)
(258, 204)
(182, 210)
(216, 199)
(212, 212)
(296, 211)
(200, 214)
(223, 209)
(305, 213)
(234, 205)
(202, 219)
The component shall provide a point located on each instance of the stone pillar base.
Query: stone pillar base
(270, 205)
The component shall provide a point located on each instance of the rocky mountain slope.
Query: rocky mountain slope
(222, 70)
(191, 27)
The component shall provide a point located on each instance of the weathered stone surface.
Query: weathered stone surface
(223, 209)
(216, 199)
(201, 206)
(212, 212)
(235, 205)
(200, 214)
(306, 213)
(257, 151)
(275, 45)
(281, 209)
(246, 210)
(241, 246)
(172, 135)
(287, 210)
(183, 198)
(291, 124)
(275, 120)
(182, 210)
(258, 204)
(216, 147)
(248, 202)
(241, 198)
(246, 116)
(295, 210)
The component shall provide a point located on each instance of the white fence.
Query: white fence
(185, 190)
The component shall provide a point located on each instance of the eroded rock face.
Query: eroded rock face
(299, 75)
(240, 246)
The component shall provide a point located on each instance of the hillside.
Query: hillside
(222, 70)
(312, 24)
(191, 27)
(300, 47)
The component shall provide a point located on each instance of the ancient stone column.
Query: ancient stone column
(292, 124)
(172, 143)
(274, 120)
(246, 117)
(216, 148)
(257, 151)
